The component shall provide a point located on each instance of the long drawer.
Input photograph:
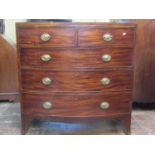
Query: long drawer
(76, 105)
(68, 58)
(107, 80)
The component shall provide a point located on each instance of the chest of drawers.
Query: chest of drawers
(75, 70)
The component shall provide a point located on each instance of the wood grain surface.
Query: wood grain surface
(77, 105)
(68, 58)
(76, 70)
(59, 36)
(77, 81)
(94, 37)
(8, 70)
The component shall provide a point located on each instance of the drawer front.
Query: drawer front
(58, 36)
(73, 58)
(97, 37)
(76, 105)
(110, 80)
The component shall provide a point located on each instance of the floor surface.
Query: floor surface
(143, 123)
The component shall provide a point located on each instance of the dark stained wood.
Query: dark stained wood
(26, 120)
(77, 105)
(121, 80)
(126, 122)
(74, 25)
(67, 58)
(144, 58)
(8, 70)
(76, 69)
(144, 61)
(94, 37)
(59, 36)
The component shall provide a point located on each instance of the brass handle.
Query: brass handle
(104, 105)
(105, 81)
(107, 37)
(45, 37)
(46, 57)
(106, 57)
(46, 81)
(47, 105)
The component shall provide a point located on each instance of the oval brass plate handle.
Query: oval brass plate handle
(107, 37)
(47, 105)
(106, 57)
(46, 81)
(105, 81)
(46, 57)
(45, 37)
(104, 105)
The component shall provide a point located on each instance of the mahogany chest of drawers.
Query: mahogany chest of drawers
(75, 70)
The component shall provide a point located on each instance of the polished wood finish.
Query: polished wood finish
(76, 69)
(86, 58)
(94, 37)
(59, 36)
(144, 86)
(8, 70)
(121, 80)
(73, 105)
(144, 58)
(77, 25)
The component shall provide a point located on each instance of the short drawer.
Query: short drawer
(46, 36)
(76, 105)
(99, 37)
(59, 81)
(76, 58)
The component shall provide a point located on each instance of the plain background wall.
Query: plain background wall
(10, 30)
